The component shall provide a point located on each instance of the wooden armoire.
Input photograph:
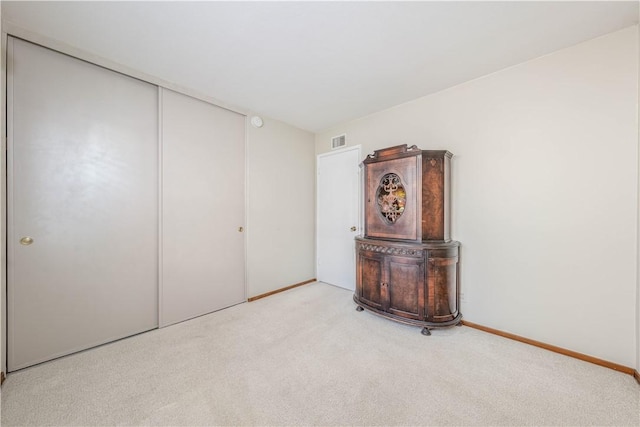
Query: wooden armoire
(407, 265)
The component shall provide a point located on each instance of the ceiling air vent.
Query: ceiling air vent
(338, 141)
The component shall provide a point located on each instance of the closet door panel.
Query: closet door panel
(83, 186)
(203, 208)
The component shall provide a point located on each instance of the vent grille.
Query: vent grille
(338, 141)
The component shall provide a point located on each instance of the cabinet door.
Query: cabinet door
(442, 289)
(405, 286)
(392, 204)
(369, 278)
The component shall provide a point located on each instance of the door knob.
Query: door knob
(26, 241)
(241, 229)
(353, 228)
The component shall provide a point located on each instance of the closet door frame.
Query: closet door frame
(10, 29)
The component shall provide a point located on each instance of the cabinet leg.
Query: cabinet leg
(425, 331)
(358, 308)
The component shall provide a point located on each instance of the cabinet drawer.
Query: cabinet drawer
(443, 253)
(389, 250)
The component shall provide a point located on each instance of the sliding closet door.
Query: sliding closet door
(82, 205)
(203, 208)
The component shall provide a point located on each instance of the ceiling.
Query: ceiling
(316, 64)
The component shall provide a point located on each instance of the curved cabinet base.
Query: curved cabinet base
(426, 326)
(412, 283)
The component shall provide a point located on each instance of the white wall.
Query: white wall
(280, 206)
(544, 191)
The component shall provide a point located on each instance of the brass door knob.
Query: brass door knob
(26, 241)
(240, 229)
(353, 228)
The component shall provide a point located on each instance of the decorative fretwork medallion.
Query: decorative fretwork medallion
(391, 197)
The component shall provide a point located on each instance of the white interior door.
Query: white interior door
(203, 208)
(338, 216)
(82, 205)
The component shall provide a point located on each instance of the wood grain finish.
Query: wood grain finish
(442, 287)
(404, 297)
(425, 176)
(406, 264)
(414, 283)
(564, 351)
(407, 226)
(435, 201)
(286, 288)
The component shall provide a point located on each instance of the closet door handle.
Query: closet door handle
(26, 241)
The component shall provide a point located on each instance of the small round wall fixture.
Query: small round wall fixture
(256, 121)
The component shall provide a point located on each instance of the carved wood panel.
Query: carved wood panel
(386, 218)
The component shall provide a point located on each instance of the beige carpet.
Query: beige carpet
(306, 357)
